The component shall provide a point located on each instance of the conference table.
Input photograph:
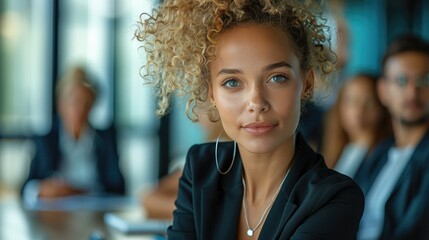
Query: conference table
(17, 222)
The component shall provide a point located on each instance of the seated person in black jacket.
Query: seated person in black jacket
(74, 157)
(395, 177)
(255, 61)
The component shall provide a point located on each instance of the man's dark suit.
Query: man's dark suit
(48, 156)
(407, 209)
(314, 203)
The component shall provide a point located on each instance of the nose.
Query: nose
(257, 100)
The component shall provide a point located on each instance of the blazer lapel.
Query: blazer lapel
(398, 204)
(418, 158)
(370, 168)
(275, 223)
(284, 207)
(221, 204)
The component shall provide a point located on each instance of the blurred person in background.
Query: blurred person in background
(159, 201)
(355, 124)
(395, 177)
(74, 157)
(312, 121)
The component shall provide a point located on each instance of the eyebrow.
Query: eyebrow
(229, 71)
(277, 65)
(266, 68)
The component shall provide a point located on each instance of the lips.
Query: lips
(258, 128)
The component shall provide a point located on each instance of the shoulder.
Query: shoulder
(205, 153)
(327, 204)
(105, 137)
(324, 177)
(421, 154)
(330, 180)
(311, 180)
(381, 149)
(321, 185)
(108, 131)
(373, 163)
(48, 139)
(201, 161)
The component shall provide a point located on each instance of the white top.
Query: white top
(372, 220)
(78, 166)
(351, 158)
(79, 163)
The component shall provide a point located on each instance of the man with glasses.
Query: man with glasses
(395, 178)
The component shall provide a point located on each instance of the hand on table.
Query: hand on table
(53, 188)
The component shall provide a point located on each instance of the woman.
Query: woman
(74, 157)
(256, 62)
(355, 125)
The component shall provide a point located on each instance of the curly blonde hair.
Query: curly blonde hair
(180, 39)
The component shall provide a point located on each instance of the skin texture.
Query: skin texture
(257, 87)
(159, 202)
(360, 114)
(54, 188)
(408, 105)
(74, 106)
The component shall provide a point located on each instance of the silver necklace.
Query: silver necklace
(250, 230)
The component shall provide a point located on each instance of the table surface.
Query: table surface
(18, 223)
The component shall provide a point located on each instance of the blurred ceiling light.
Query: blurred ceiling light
(11, 26)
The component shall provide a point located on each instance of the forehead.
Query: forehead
(360, 88)
(412, 63)
(76, 90)
(256, 42)
(359, 82)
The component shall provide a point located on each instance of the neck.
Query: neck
(408, 135)
(364, 139)
(263, 173)
(74, 131)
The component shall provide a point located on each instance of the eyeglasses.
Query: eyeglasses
(419, 81)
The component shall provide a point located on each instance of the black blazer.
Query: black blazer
(314, 203)
(48, 156)
(407, 209)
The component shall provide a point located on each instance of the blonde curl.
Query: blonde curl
(181, 36)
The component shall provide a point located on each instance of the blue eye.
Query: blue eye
(424, 81)
(231, 83)
(402, 81)
(278, 79)
(419, 81)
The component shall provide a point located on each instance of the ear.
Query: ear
(308, 85)
(210, 93)
(382, 91)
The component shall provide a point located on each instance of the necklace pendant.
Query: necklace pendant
(250, 232)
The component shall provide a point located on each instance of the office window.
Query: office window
(135, 101)
(25, 69)
(85, 34)
(367, 35)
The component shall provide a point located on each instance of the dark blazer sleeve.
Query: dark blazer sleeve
(407, 209)
(183, 224)
(338, 217)
(371, 166)
(108, 161)
(45, 160)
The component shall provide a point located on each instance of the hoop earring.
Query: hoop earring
(233, 156)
